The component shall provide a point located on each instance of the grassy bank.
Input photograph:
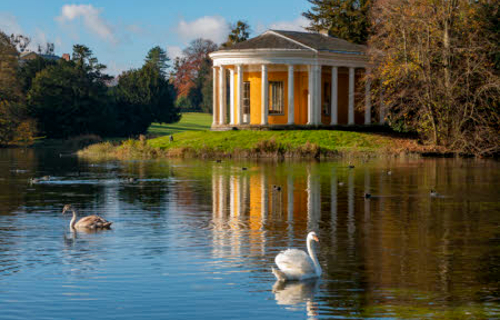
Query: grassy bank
(190, 121)
(257, 144)
(192, 138)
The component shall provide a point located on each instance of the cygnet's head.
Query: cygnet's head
(66, 208)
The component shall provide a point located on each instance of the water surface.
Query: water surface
(197, 239)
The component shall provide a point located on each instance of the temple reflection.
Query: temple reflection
(294, 294)
(388, 242)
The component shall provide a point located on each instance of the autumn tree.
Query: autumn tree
(436, 71)
(345, 19)
(15, 126)
(192, 70)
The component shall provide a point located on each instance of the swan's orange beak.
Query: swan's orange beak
(315, 238)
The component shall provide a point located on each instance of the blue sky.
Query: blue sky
(121, 32)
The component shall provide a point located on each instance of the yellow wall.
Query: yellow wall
(300, 96)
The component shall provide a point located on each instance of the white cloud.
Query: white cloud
(214, 28)
(299, 24)
(174, 52)
(91, 18)
(135, 28)
(9, 24)
(115, 69)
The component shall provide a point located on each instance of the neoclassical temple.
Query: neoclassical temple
(291, 79)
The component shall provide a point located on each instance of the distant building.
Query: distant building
(31, 55)
(290, 78)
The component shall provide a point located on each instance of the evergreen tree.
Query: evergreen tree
(157, 58)
(70, 98)
(30, 68)
(345, 19)
(144, 96)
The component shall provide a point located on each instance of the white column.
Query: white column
(317, 95)
(310, 76)
(314, 95)
(265, 95)
(320, 94)
(231, 96)
(335, 83)
(222, 95)
(351, 96)
(239, 103)
(368, 102)
(214, 96)
(291, 89)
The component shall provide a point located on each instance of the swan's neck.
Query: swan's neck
(73, 220)
(312, 254)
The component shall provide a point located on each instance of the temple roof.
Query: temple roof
(294, 40)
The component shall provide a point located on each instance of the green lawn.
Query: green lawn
(193, 138)
(191, 121)
(192, 132)
(228, 141)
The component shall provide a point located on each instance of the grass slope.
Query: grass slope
(192, 138)
(191, 121)
(230, 141)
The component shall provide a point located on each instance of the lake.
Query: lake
(197, 239)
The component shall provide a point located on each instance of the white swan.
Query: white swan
(295, 264)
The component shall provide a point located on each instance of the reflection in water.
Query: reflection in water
(254, 208)
(191, 234)
(295, 293)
